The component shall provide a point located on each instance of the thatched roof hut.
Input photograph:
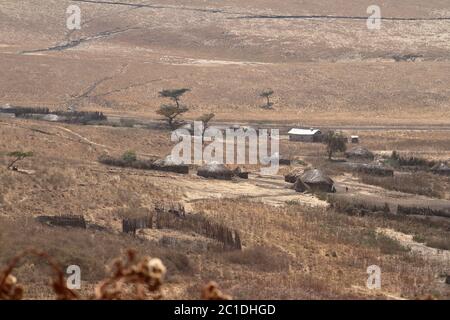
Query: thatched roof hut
(216, 171)
(299, 186)
(293, 175)
(238, 172)
(318, 181)
(169, 165)
(359, 153)
(441, 168)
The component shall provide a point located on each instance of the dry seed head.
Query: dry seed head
(157, 268)
(211, 291)
(10, 280)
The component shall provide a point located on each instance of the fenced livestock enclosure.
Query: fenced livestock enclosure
(39, 113)
(174, 217)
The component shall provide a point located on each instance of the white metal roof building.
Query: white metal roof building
(303, 134)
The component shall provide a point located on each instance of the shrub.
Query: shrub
(18, 156)
(129, 156)
(335, 142)
(128, 123)
(127, 161)
(410, 161)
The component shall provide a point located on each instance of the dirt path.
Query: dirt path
(407, 240)
(83, 138)
(274, 192)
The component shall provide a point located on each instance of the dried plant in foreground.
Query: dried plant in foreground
(11, 290)
(131, 278)
(145, 277)
(211, 291)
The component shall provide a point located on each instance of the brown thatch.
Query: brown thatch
(284, 162)
(441, 168)
(318, 181)
(293, 175)
(359, 153)
(169, 165)
(239, 173)
(216, 171)
(299, 186)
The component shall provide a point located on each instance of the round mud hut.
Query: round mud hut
(360, 153)
(316, 180)
(299, 186)
(238, 172)
(442, 169)
(215, 171)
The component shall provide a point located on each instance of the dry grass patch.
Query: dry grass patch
(326, 248)
(258, 258)
(420, 183)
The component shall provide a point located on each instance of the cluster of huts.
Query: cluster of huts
(209, 170)
(359, 157)
(315, 180)
(220, 171)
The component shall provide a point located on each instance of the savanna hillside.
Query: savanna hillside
(322, 70)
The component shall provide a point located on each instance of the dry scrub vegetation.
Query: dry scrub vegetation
(92, 251)
(326, 253)
(288, 252)
(415, 183)
(130, 278)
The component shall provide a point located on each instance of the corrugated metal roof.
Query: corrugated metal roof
(304, 132)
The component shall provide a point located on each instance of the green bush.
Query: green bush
(129, 156)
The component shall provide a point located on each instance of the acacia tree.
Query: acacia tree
(18, 155)
(174, 94)
(205, 119)
(172, 111)
(267, 94)
(335, 142)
